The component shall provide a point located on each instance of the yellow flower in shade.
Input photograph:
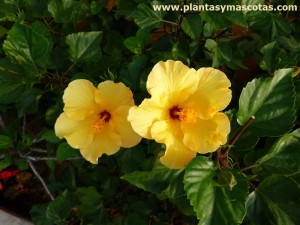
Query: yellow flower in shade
(183, 111)
(95, 120)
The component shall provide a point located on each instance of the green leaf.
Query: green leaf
(24, 45)
(271, 101)
(284, 156)
(65, 11)
(275, 201)
(12, 86)
(49, 135)
(130, 75)
(3, 31)
(146, 18)
(192, 25)
(5, 142)
(90, 202)
(221, 52)
(6, 162)
(38, 215)
(180, 51)
(269, 51)
(155, 181)
(220, 18)
(28, 102)
(9, 9)
(64, 152)
(131, 159)
(84, 46)
(212, 203)
(59, 210)
(134, 45)
(226, 178)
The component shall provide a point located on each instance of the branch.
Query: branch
(40, 178)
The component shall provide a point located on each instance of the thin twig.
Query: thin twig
(40, 178)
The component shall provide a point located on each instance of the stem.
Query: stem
(68, 70)
(223, 156)
(40, 178)
(170, 22)
(249, 167)
(239, 133)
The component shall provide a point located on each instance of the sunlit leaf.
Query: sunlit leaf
(214, 203)
(84, 46)
(146, 18)
(271, 101)
(26, 46)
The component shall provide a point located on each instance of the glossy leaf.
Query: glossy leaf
(192, 25)
(214, 204)
(12, 86)
(64, 11)
(271, 101)
(284, 156)
(84, 46)
(38, 215)
(134, 45)
(269, 51)
(146, 18)
(59, 210)
(221, 52)
(222, 18)
(275, 201)
(24, 45)
(155, 181)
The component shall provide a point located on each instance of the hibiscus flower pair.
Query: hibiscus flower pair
(183, 113)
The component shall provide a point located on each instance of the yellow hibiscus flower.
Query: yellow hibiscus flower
(183, 111)
(95, 120)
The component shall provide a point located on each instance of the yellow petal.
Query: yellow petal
(105, 142)
(143, 116)
(177, 155)
(77, 133)
(223, 126)
(122, 126)
(79, 99)
(214, 86)
(172, 77)
(206, 135)
(111, 95)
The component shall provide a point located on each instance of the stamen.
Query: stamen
(104, 117)
(187, 115)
